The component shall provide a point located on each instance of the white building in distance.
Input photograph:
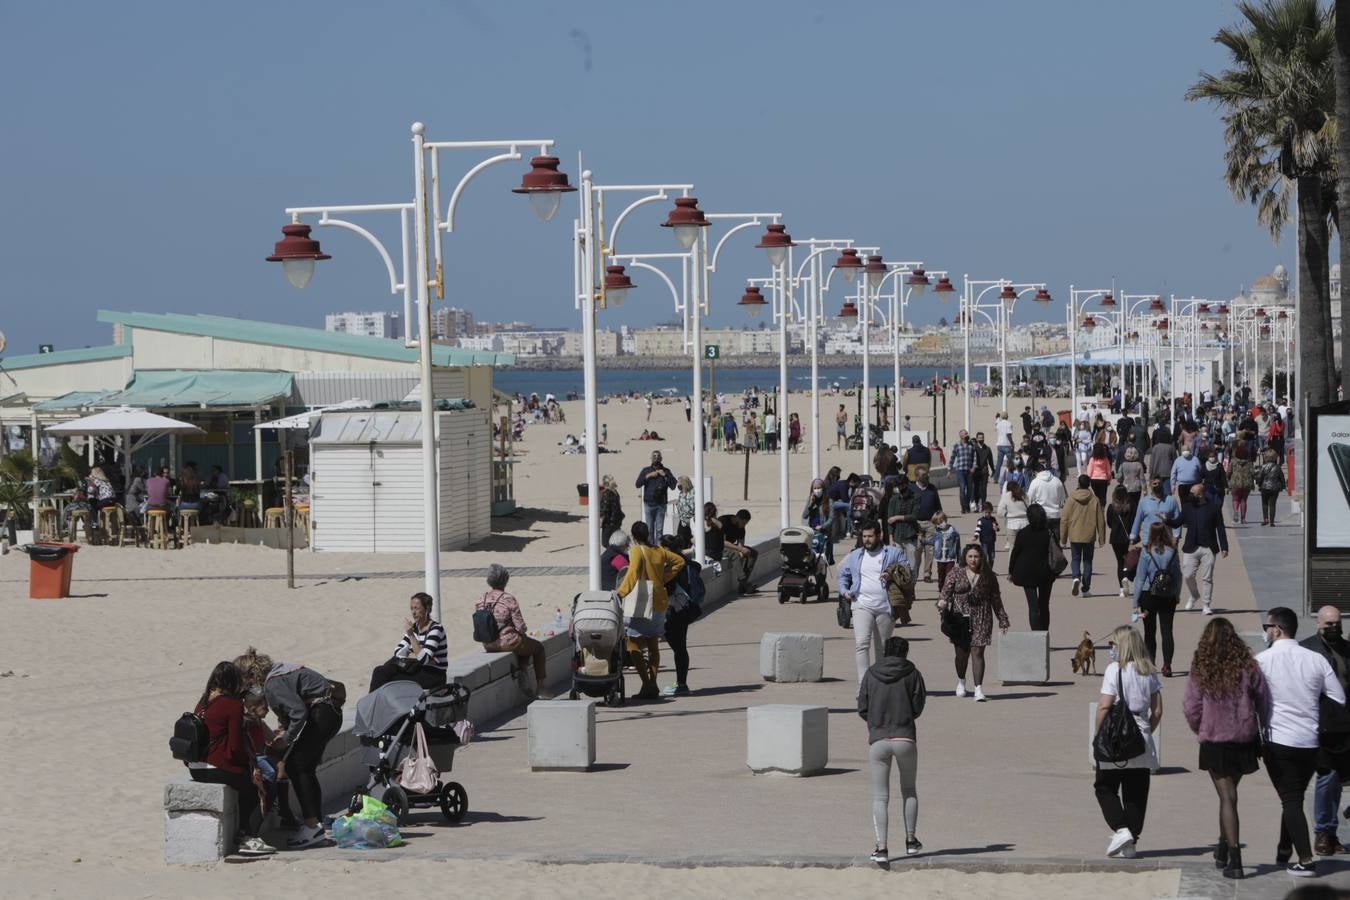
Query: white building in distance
(367, 324)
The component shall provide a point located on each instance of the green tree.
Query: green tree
(1278, 103)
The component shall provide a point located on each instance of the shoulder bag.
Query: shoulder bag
(418, 773)
(1055, 558)
(843, 613)
(1119, 739)
(637, 604)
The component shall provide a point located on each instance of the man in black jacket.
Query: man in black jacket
(1206, 540)
(891, 696)
(1333, 732)
(929, 502)
(655, 480)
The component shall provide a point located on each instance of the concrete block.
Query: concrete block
(561, 735)
(1092, 734)
(471, 670)
(787, 738)
(1024, 656)
(194, 796)
(200, 821)
(501, 665)
(789, 656)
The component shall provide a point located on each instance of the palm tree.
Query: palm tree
(1278, 106)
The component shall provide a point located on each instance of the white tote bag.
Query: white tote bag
(418, 773)
(638, 603)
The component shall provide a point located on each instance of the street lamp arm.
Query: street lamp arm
(754, 221)
(448, 226)
(395, 285)
(614, 231)
(636, 263)
(821, 247)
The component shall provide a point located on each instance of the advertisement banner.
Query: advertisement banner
(1331, 476)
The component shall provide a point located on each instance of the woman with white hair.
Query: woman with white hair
(512, 636)
(614, 560)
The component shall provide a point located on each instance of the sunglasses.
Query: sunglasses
(1268, 625)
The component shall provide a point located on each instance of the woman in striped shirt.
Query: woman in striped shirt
(420, 656)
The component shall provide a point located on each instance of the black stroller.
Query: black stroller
(805, 572)
(865, 507)
(385, 720)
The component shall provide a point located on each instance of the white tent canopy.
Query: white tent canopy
(125, 422)
(302, 420)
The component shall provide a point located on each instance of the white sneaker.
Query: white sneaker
(1119, 839)
(307, 837)
(1190, 604)
(979, 694)
(256, 846)
(961, 688)
(1074, 590)
(1127, 852)
(1206, 610)
(1122, 592)
(1086, 592)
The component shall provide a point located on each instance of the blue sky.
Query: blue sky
(151, 146)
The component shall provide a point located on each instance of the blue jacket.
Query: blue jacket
(849, 571)
(1151, 563)
(946, 543)
(1151, 510)
(1187, 471)
(654, 489)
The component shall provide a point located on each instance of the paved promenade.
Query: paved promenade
(1004, 785)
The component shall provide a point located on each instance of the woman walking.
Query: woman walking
(1122, 791)
(1225, 694)
(1241, 477)
(1157, 589)
(1131, 477)
(1119, 518)
(611, 508)
(890, 697)
(1028, 566)
(1270, 479)
(972, 591)
(1012, 509)
(1099, 470)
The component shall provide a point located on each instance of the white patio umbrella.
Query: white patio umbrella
(136, 427)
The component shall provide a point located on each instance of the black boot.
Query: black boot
(1221, 854)
(1234, 867)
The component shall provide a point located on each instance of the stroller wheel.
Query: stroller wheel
(824, 594)
(394, 797)
(454, 801)
(614, 698)
(573, 694)
(784, 595)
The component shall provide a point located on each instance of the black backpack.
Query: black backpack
(190, 740)
(1119, 740)
(485, 627)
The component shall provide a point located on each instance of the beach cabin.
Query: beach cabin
(366, 472)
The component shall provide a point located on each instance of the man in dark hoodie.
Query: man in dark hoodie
(890, 697)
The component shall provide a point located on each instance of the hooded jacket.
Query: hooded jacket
(1048, 491)
(890, 698)
(1082, 521)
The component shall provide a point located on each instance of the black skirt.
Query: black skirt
(1228, 758)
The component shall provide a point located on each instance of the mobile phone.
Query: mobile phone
(1340, 461)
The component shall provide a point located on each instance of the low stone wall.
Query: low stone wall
(190, 836)
(259, 537)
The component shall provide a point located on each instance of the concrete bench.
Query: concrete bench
(789, 656)
(1092, 734)
(561, 735)
(1024, 657)
(200, 822)
(787, 739)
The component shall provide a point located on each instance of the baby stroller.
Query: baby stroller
(805, 571)
(598, 640)
(385, 720)
(865, 507)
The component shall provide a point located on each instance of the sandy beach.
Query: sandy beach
(90, 686)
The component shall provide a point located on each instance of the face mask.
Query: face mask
(1265, 636)
(1115, 657)
(1211, 465)
(817, 492)
(1332, 632)
(1186, 454)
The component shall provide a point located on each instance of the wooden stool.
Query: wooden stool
(80, 518)
(302, 519)
(187, 518)
(157, 525)
(110, 519)
(248, 516)
(274, 517)
(48, 523)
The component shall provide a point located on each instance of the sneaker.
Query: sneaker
(881, 856)
(1087, 592)
(1303, 869)
(1190, 604)
(1119, 839)
(1128, 851)
(912, 845)
(1206, 610)
(961, 688)
(1167, 670)
(307, 837)
(289, 823)
(1134, 616)
(1124, 585)
(1074, 590)
(1122, 592)
(256, 846)
(674, 689)
(979, 694)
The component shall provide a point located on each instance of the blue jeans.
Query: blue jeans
(1326, 803)
(1080, 563)
(1004, 454)
(964, 484)
(838, 510)
(655, 517)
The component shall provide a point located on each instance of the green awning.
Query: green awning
(73, 401)
(164, 389)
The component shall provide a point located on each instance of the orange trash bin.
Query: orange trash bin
(49, 568)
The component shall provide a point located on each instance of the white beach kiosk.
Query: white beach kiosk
(366, 469)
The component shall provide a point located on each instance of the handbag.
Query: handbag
(1161, 585)
(843, 613)
(1119, 739)
(1055, 558)
(953, 624)
(408, 665)
(418, 773)
(1131, 562)
(637, 604)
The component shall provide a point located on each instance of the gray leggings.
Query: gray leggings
(906, 756)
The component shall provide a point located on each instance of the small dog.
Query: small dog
(1085, 657)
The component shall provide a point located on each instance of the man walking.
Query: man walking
(902, 516)
(655, 480)
(840, 426)
(861, 583)
(984, 464)
(962, 464)
(1049, 492)
(1158, 506)
(1298, 678)
(929, 504)
(1083, 528)
(1333, 733)
(1206, 539)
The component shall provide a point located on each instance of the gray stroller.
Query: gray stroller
(385, 720)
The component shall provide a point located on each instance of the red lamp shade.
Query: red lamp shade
(752, 301)
(1203, 309)
(1162, 324)
(544, 185)
(849, 310)
(848, 264)
(875, 270)
(1156, 305)
(1089, 323)
(685, 220)
(775, 243)
(1282, 316)
(1007, 295)
(1222, 310)
(943, 288)
(1260, 312)
(1043, 296)
(617, 285)
(1108, 301)
(297, 252)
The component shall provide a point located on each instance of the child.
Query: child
(278, 791)
(946, 544)
(985, 530)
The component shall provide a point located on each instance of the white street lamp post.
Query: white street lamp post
(972, 293)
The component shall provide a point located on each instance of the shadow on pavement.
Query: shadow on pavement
(525, 517)
(1176, 851)
(966, 851)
